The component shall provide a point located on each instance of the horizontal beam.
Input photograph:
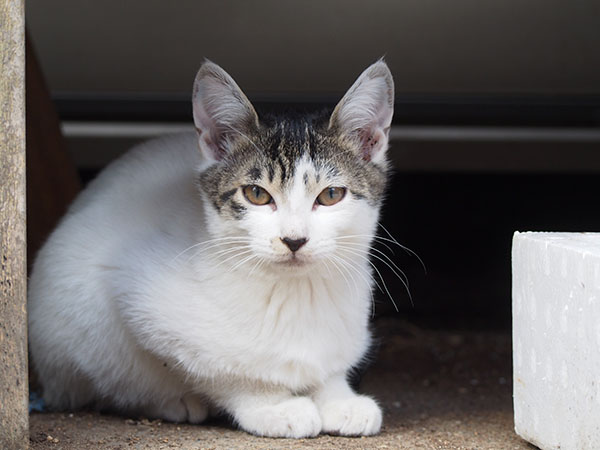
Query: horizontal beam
(426, 109)
(146, 130)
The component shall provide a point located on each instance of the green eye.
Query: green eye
(257, 195)
(331, 195)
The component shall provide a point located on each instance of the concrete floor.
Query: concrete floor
(440, 390)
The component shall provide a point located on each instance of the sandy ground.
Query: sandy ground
(439, 389)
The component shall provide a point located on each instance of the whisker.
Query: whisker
(229, 250)
(242, 262)
(371, 277)
(347, 263)
(403, 280)
(257, 266)
(221, 252)
(324, 261)
(387, 291)
(408, 250)
(386, 288)
(389, 262)
(333, 259)
(219, 244)
(210, 241)
(234, 256)
(382, 240)
(184, 251)
(369, 236)
(384, 245)
(388, 233)
(367, 281)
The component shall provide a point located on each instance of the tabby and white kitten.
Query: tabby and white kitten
(223, 270)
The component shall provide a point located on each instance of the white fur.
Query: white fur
(112, 298)
(147, 301)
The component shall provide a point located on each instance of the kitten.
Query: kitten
(226, 269)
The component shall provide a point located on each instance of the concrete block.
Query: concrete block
(556, 339)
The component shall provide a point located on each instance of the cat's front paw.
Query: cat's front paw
(196, 408)
(354, 416)
(293, 418)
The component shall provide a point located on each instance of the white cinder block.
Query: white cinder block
(556, 339)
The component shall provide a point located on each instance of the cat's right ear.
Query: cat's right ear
(222, 113)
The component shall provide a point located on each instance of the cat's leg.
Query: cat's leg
(273, 413)
(344, 412)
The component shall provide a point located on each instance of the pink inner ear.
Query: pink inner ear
(371, 142)
(211, 144)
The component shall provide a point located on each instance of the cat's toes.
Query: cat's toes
(197, 409)
(189, 408)
(355, 416)
(172, 410)
(294, 418)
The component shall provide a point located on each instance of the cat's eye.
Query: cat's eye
(331, 195)
(257, 195)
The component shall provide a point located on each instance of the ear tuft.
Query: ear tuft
(222, 113)
(365, 112)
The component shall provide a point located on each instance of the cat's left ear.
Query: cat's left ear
(222, 113)
(365, 113)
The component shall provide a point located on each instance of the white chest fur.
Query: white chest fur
(294, 331)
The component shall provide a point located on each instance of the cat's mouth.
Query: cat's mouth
(295, 260)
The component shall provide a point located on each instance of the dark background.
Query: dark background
(461, 225)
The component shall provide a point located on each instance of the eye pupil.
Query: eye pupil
(257, 195)
(331, 195)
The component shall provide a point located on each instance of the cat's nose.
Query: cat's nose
(294, 244)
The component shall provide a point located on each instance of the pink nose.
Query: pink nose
(294, 244)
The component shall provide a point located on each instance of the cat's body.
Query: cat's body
(172, 284)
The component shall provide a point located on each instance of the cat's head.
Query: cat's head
(292, 192)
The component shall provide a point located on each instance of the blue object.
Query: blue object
(36, 402)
